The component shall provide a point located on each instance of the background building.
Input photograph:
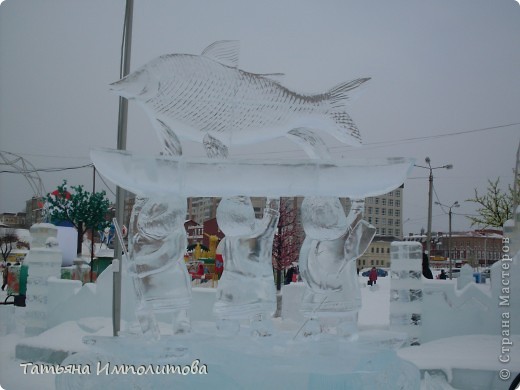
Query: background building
(13, 220)
(385, 213)
(476, 248)
(378, 253)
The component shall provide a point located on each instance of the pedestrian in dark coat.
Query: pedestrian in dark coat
(372, 276)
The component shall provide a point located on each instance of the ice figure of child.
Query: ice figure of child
(157, 244)
(328, 256)
(246, 289)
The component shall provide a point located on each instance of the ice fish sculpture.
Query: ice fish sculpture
(206, 98)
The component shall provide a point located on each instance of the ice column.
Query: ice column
(406, 293)
(465, 277)
(43, 260)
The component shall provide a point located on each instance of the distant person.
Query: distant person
(442, 275)
(372, 276)
(289, 276)
(5, 272)
(426, 271)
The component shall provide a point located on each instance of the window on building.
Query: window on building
(383, 211)
(377, 250)
(397, 232)
(398, 193)
(387, 250)
(376, 200)
(383, 231)
(369, 210)
(377, 221)
(397, 222)
(390, 231)
(369, 219)
(371, 262)
(383, 221)
(397, 213)
(390, 202)
(377, 210)
(397, 203)
(372, 249)
(390, 222)
(391, 212)
(383, 202)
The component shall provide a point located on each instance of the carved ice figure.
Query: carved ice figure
(246, 289)
(157, 244)
(206, 98)
(328, 256)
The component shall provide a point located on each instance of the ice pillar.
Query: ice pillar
(43, 260)
(406, 293)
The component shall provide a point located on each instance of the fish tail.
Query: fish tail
(338, 97)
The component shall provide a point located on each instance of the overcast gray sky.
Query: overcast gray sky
(442, 70)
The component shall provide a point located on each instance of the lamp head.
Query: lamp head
(449, 166)
(427, 159)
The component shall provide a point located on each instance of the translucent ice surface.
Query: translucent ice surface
(157, 245)
(145, 175)
(328, 256)
(207, 99)
(246, 287)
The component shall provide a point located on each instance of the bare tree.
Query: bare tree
(8, 240)
(287, 240)
(496, 206)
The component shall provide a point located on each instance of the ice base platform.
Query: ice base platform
(240, 362)
(147, 175)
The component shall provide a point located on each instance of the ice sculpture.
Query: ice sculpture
(207, 99)
(246, 289)
(43, 260)
(406, 294)
(157, 245)
(165, 175)
(328, 256)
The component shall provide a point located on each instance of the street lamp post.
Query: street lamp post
(430, 193)
(455, 204)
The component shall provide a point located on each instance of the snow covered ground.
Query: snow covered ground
(456, 358)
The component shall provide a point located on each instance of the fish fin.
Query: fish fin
(276, 77)
(214, 147)
(225, 52)
(346, 131)
(171, 143)
(312, 144)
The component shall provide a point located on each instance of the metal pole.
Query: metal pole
(92, 229)
(449, 246)
(429, 233)
(485, 253)
(121, 144)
